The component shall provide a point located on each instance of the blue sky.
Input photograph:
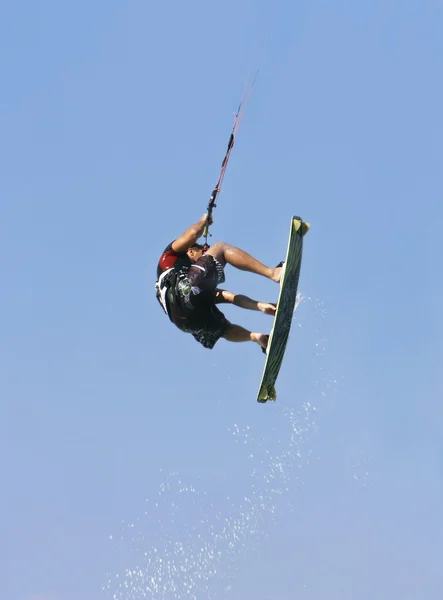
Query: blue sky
(114, 118)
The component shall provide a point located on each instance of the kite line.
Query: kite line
(238, 117)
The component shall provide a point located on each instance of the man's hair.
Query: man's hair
(197, 247)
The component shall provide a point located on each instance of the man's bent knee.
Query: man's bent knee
(217, 250)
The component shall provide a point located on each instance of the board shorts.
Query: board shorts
(208, 326)
(206, 274)
(192, 301)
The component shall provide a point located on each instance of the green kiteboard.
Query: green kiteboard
(279, 335)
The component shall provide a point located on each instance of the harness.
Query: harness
(174, 288)
(165, 282)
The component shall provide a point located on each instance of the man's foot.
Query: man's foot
(261, 338)
(278, 272)
(268, 308)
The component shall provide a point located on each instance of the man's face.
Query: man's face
(194, 254)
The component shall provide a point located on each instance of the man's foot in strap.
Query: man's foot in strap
(262, 339)
(279, 271)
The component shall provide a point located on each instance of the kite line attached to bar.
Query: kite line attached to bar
(238, 117)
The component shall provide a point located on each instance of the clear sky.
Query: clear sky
(114, 117)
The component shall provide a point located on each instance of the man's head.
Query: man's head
(195, 251)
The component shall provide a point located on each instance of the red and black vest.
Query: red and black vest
(170, 268)
(170, 259)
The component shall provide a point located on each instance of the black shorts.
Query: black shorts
(196, 291)
(207, 326)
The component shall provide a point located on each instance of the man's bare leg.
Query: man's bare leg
(225, 253)
(236, 333)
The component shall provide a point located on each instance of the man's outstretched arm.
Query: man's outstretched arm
(225, 297)
(190, 236)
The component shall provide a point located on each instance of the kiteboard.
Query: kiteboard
(279, 335)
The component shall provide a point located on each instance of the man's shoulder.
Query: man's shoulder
(169, 250)
(170, 258)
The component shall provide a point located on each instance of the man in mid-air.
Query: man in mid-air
(187, 287)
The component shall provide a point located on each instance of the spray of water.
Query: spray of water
(200, 543)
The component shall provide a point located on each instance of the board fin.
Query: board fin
(267, 394)
(298, 224)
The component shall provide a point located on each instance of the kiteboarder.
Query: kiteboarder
(187, 287)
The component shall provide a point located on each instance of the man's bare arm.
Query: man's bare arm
(225, 297)
(190, 236)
